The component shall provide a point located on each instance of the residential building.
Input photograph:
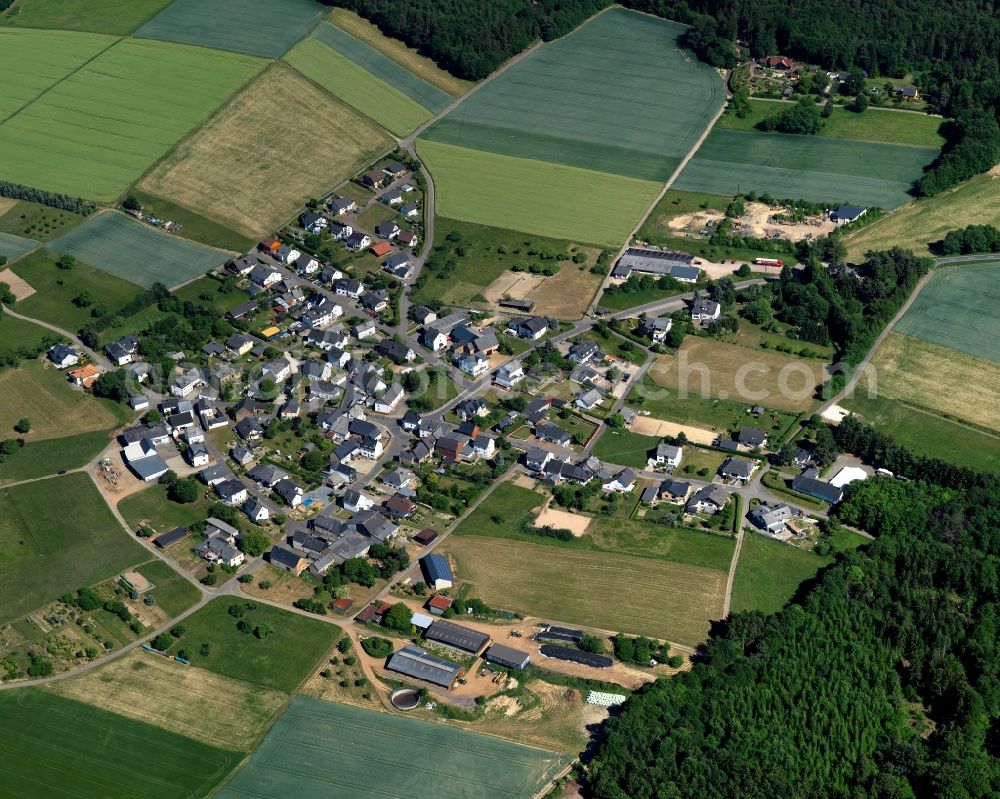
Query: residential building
(771, 518)
(705, 310)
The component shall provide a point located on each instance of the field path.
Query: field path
(95, 356)
(732, 572)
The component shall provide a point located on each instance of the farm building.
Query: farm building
(808, 483)
(507, 656)
(845, 214)
(437, 571)
(438, 604)
(677, 265)
(454, 636)
(425, 537)
(284, 558)
(167, 539)
(412, 661)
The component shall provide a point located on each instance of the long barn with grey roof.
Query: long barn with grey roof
(457, 637)
(415, 662)
(678, 265)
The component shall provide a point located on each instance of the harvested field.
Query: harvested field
(257, 27)
(408, 58)
(99, 16)
(805, 167)
(357, 87)
(43, 396)
(18, 286)
(565, 520)
(137, 252)
(706, 367)
(565, 295)
(189, 701)
(650, 426)
(12, 247)
(563, 201)
(665, 600)
(926, 374)
(101, 127)
(58, 747)
(958, 309)
(336, 749)
(925, 221)
(218, 170)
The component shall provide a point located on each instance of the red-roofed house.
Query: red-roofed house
(382, 248)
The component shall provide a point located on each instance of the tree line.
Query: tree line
(15, 191)
(971, 239)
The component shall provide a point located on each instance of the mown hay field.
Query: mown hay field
(383, 67)
(805, 167)
(356, 86)
(55, 536)
(671, 601)
(137, 252)
(218, 171)
(534, 196)
(919, 224)
(958, 309)
(408, 58)
(939, 378)
(707, 367)
(769, 572)
(189, 701)
(616, 95)
(98, 16)
(33, 60)
(257, 27)
(57, 747)
(95, 132)
(325, 748)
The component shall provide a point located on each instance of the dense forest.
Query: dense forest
(881, 681)
(954, 45)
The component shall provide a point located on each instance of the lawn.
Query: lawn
(536, 197)
(617, 95)
(695, 459)
(886, 126)
(51, 455)
(623, 300)
(109, 121)
(34, 220)
(929, 434)
(137, 252)
(658, 598)
(257, 27)
(805, 167)
(218, 171)
(12, 246)
(769, 572)
(194, 226)
(623, 448)
(356, 86)
(96, 16)
(408, 58)
(281, 660)
(707, 368)
(440, 388)
(107, 756)
(924, 374)
(383, 67)
(919, 224)
(172, 591)
(502, 513)
(324, 748)
(150, 507)
(32, 61)
(619, 347)
(208, 292)
(56, 535)
(55, 290)
(40, 393)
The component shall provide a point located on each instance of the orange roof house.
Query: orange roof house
(85, 376)
(382, 248)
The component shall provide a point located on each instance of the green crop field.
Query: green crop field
(805, 167)
(769, 572)
(357, 87)
(55, 747)
(957, 309)
(617, 95)
(323, 748)
(257, 27)
(534, 196)
(55, 290)
(31, 61)
(56, 535)
(12, 247)
(101, 127)
(137, 252)
(381, 66)
(281, 660)
(97, 16)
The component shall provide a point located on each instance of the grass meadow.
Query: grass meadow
(194, 226)
(919, 224)
(15, 334)
(624, 448)
(137, 252)
(95, 16)
(769, 572)
(805, 167)
(336, 749)
(264, 28)
(217, 171)
(105, 124)
(56, 535)
(39, 458)
(172, 592)
(536, 197)
(56, 747)
(34, 220)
